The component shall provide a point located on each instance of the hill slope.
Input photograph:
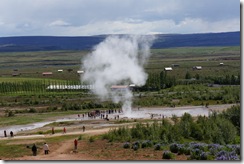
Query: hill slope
(46, 43)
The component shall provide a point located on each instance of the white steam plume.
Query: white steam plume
(117, 60)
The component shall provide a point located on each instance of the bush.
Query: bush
(174, 148)
(168, 155)
(9, 113)
(157, 147)
(204, 156)
(181, 150)
(146, 143)
(224, 155)
(32, 110)
(136, 145)
(40, 132)
(196, 154)
(91, 139)
(80, 137)
(201, 146)
(187, 151)
(237, 149)
(126, 145)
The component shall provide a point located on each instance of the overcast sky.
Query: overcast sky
(95, 17)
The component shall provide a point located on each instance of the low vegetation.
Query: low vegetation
(216, 137)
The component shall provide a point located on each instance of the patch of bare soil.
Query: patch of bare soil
(98, 150)
(61, 151)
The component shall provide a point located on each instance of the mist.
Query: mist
(118, 60)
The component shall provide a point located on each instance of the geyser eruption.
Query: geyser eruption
(118, 60)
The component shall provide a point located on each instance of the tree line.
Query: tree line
(162, 80)
(222, 128)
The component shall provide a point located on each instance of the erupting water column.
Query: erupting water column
(117, 60)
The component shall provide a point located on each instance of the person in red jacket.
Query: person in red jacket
(64, 130)
(75, 143)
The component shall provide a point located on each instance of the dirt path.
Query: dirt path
(64, 150)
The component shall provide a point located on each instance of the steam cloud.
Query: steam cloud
(115, 61)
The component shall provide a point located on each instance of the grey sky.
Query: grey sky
(94, 17)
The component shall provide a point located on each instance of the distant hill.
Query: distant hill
(47, 43)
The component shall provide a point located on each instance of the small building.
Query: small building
(175, 65)
(60, 70)
(132, 85)
(119, 88)
(168, 69)
(197, 67)
(15, 74)
(80, 72)
(47, 73)
(70, 87)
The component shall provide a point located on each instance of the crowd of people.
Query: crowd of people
(102, 114)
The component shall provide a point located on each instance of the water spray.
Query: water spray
(118, 60)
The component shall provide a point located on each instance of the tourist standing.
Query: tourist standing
(52, 130)
(34, 149)
(11, 133)
(46, 148)
(75, 144)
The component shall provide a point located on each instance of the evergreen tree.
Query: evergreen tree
(188, 75)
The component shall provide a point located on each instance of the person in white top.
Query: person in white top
(45, 148)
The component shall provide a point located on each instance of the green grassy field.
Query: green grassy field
(32, 64)
(28, 90)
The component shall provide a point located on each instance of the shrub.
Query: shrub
(40, 132)
(91, 139)
(157, 147)
(126, 145)
(136, 145)
(146, 143)
(201, 146)
(215, 148)
(181, 150)
(224, 155)
(32, 110)
(196, 154)
(174, 148)
(168, 155)
(204, 156)
(9, 113)
(237, 149)
(187, 151)
(80, 137)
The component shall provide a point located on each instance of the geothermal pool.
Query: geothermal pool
(146, 113)
(139, 113)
